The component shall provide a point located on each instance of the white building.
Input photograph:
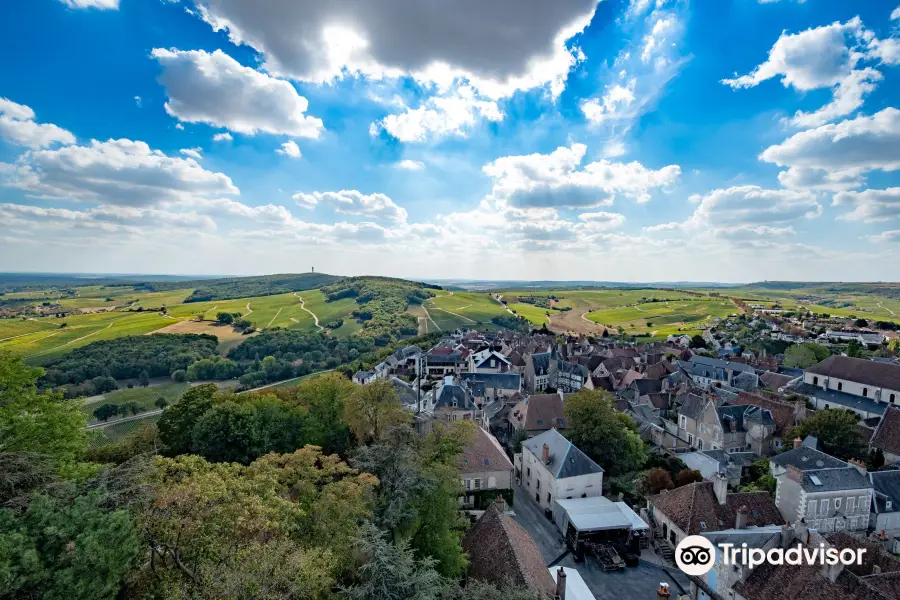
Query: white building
(551, 467)
(865, 386)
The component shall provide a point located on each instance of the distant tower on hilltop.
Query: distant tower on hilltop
(313, 269)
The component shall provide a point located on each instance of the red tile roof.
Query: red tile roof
(694, 508)
(483, 453)
(887, 436)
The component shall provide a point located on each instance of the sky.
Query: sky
(621, 140)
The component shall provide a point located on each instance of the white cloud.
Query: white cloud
(616, 98)
(353, 202)
(411, 165)
(802, 178)
(98, 4)
(179, 126)
(222, 137)
(895, 14)
(854, 146)
(499, 47)
(556, 179)
(216, 89)
(18, 126)
(290, 148)
(602, 220)
(439, 117)
(886, 237)
(195, 153)
(138, 101)
(663, 28)
(115, 172)
(825, 57)
(870, 205)
(109, 219)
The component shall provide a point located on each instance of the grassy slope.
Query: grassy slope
(470, 309)
(664, 318)
(145, 397)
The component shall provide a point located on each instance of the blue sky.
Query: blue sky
(635, 140)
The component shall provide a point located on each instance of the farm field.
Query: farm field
(314, 300)
(115, 432)
(79, 331)
(660, 319)
(535, 314)
(599, 298)
(463, 309)
(143, 397)
(228, 337)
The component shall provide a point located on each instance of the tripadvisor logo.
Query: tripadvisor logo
(695, 555)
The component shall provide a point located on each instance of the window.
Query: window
(840, 386)
(824, 507)
(549, 499)
(691, 439)
(862, 504)
(893, 398)
(700, 444)
(468, 484)
(682, 421)
(865, 392)
(851, 505)
(538, 484)
(477, 484)
(528, 471)
(837, 503)
(815, 381)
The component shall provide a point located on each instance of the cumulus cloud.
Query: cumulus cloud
(109, 219)
(886, 237)
(290, 148)
(845, 149)
(17, 125)
(824, 57)
(616, 98)
(602, 220)
(116, 172)
(557, 180)
(499, 46)
(802, 178)
(222, 137)
(214, 88)
(439, 117)
(98, 4)
(195, 153)
(663, 28)
(411, 165)
(870, 205)
(353, 202)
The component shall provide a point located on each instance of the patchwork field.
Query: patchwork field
(451, 310)
(145, 398)
(537, 315)
(660, 319)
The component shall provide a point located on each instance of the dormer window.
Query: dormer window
(865, 392)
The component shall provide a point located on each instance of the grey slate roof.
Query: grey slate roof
(833, 397)
(448, 393)
(692, 406)
(887, 487)
(363, 374)
(647, 386)
(721, 364)
(876, 374)
(573, 368)
(805, 458)
(833, 480)
(541, 362)
(505, 381)
(565, 459)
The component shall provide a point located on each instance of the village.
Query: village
(723, 422)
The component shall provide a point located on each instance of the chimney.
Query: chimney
(795, 474)
(860, 466)
(663, 592)
(720, 487)
(560, 584)
(787, 535)
(545, 454)
(740, 519)
(801, 531)
(876, 569)
(797, 442)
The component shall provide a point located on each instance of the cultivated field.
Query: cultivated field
(660, 319)
(228, 336)
(115, 432)
(143, 397)
(451, 310)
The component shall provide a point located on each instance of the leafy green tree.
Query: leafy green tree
(179, 375)
(105, 411)
(161, 402)
(802, 356)
(144, 379)
(37, 422)
(697, 341)
(142, 441)
(760, 478)
(837, 431)
(63, 549)
(519, 435)
(176, 426)
(861, 323)
(854, 349)
(391, 571)
(372, 409)
(875, 459)
(227, 432)
(225, 318)
(604, 434)
(323, 398)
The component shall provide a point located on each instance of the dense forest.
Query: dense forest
(318, 492)
(383, 302)
(95, 368)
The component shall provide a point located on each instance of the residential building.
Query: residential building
(830, 494)
(364, 377)
(537, 372)
(502, 553)
(488, 361)
(569, 377)
(485, 471)
(864, 386)
(551, 467)
(539, 413)
(706, 506)
(885, 510)
(887, 435)
(490, 386)
(444, 360)
(866, 339)
(736, 428)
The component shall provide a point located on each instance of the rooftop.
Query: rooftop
(694, 508)
(806, 458)
(483, 453)
(859, 370)
(566, 460)
(887, 435)
(833, 397)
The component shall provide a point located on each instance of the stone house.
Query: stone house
(864, 386)
(551, 467)
(485, 471)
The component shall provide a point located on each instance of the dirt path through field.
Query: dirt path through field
(249, 310)
(303, 306)
(456, 315)
(84, 337)
(275, 317)
(574, 320)
(430, 319)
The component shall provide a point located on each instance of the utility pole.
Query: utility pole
(419, 383)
